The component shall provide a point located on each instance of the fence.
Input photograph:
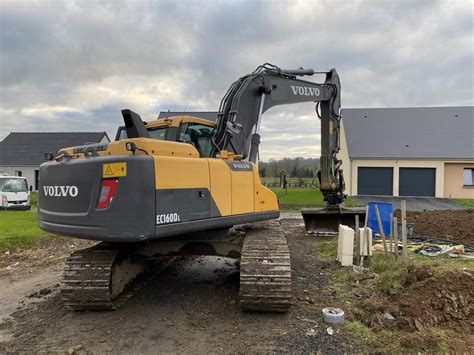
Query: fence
(292, 182)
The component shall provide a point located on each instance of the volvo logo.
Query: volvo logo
(305, 91)
(60, 191)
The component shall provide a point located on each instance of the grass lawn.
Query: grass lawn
(297, 198)
(468, 202)
(34, 198)
(19, 229)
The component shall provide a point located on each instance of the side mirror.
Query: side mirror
(48, 156)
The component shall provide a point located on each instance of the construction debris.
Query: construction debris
(333, 315)
(436, 250)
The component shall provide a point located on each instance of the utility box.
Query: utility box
(345, 245)
(365, 241)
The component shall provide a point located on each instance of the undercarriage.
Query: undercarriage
(102, 277)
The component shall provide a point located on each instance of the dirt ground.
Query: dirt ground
(452, 225)
(190, 307)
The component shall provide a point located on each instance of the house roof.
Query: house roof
(28, 148)
(208, 115)
(411, 133)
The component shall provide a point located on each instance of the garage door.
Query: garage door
(374, 181)
(417, 181)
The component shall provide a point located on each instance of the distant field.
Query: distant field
(19, 229)
(292, 182)
(297, 198)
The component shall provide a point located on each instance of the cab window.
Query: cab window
(159, 133)
(199, 136)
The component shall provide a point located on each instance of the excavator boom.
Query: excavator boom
(241, 110)
(240, 115)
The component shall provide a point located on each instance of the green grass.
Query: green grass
(326, 249)
(19, 229)
(467, 202)
(360, 330)
(297, 198)
(34, 198)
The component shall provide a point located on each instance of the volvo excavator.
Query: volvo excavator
(176, 186)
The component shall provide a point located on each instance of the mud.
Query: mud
(450, 303)
(190, 307)
(452, 225)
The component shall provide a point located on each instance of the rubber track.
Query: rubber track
(265, 269)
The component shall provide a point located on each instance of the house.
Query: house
(21, 153)
(423, 151)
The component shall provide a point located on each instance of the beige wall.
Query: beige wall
(454, 180)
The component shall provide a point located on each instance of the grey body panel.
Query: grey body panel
(375, 181)
(190, 204)
(213, 223)
(417, 182)
(129, 217)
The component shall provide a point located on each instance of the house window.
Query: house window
(468, 177)
(18, 173)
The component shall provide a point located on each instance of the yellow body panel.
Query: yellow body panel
(221, 188)
(265, 199)
(181, 173)
(146, 145)
(233, 192)
(243, 194)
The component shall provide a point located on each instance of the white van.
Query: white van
(14, 193)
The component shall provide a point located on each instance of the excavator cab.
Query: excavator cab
(185, 129)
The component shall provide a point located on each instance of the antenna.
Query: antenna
(185, 108)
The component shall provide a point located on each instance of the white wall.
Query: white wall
(26, 171)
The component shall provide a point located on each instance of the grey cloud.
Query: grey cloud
(73, 65)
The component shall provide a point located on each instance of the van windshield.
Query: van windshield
(13, 185)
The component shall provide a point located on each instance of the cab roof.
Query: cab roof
(176, 121)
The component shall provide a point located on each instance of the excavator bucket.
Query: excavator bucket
(326, 221)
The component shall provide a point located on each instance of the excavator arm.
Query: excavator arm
(242, 107)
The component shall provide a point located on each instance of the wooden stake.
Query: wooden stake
(382, 234)
(391, 233)
(395, 234)
(366, 216)
(404, 230)
(357, 237)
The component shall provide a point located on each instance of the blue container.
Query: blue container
(385, 210)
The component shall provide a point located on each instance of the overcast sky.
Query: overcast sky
(73, 65)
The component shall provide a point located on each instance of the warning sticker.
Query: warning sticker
(114, 170)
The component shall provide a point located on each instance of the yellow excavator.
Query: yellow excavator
(176, 186)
